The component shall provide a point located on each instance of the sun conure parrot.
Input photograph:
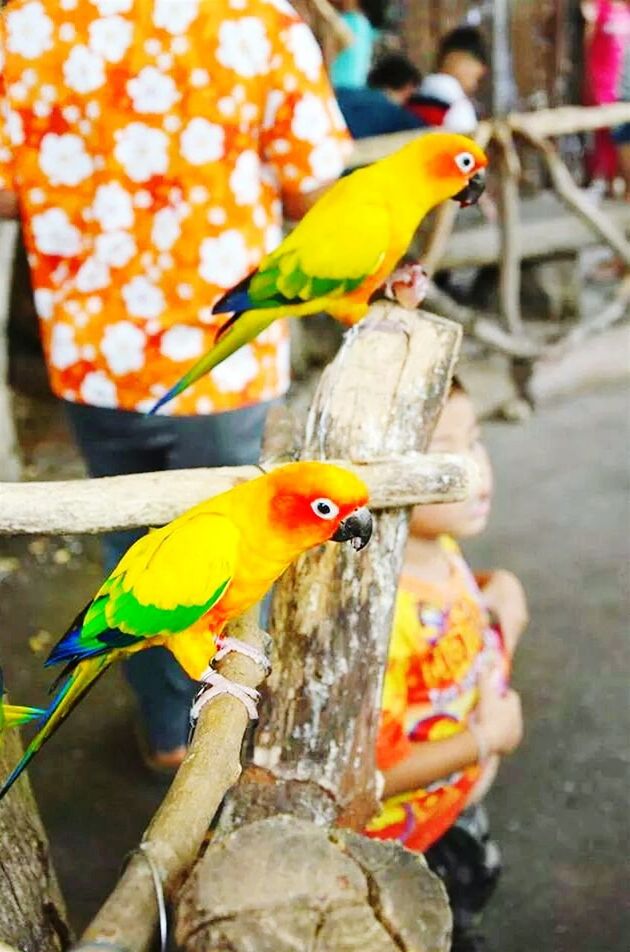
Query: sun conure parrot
(178, 586)
(11, 715)
(347, 244)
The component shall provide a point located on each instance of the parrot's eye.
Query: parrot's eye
(325, 508)
(465, 162)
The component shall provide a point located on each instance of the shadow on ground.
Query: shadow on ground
(559, 808)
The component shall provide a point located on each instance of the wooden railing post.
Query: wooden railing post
(270, 875)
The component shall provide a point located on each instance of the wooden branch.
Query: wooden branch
(10, 464)
(332, 610)
(575, 198)
(176, 832)
(480, 326)
(567, 120)
(616, 311)
(150, 499)
(509, 224)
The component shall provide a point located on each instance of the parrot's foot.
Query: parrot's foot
(215, 685)
(408, 286)
(227, 645)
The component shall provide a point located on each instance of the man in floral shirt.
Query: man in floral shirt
(151, 146)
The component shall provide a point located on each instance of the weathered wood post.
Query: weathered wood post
(32, 914)
(297, 885)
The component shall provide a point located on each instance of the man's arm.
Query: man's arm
(9, 207)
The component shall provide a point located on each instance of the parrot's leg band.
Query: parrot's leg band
(218, 685)
(227, 645)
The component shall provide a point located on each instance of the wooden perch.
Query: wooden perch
(151, 499)
(509, 225)
(567, 120)
(332, 610)
(575, 198)
(176, 832)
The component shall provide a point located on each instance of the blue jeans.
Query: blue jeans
(115, 442)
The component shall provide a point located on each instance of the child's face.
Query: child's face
(457, 431)
(467, 69)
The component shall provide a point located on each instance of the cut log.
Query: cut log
(32, 913)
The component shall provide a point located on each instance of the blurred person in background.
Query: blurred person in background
(350, 68)
(378, 108)
(150, 148)
(445, 97)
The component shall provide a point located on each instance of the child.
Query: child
(444, 97)
(378, 108)
(350, 68)
(448, 713)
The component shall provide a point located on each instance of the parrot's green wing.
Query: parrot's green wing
(165, 583)
(331, 252)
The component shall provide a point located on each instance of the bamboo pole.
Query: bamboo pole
(146, 499)
(567, 120)
(128, 918)
(509, 223)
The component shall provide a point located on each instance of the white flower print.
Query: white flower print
(54, 234)
(123, 346)
(92, 276)
(326, 161)
(224, 260)
(152, 91)
(110, 37)
(244, 46)
(245, 179)
(143, 298)
(182, 342)
(305, 50)
(275, 98)
(63, 159)
(202, 141)
(199, 77)
(67, 32)
(142, 151)
(84, 70)
(283, 6)
(98, 389)
(63, 348)
(175, 15)
(14, 127)
(44, 302)
(112, 207)
(273, 237)
(115, 248)
(237, 371)
(310, 120)
(166, 229)
(29, 30)
(108, 7)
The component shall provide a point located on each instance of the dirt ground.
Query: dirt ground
(559, 809)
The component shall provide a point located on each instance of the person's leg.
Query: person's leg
(114, 443)
(468, 862)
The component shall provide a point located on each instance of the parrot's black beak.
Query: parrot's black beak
(356, 529)
(471, 194)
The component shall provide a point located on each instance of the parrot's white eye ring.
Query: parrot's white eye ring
(465, 162)
(325, 508)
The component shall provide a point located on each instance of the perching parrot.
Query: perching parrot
(11, 715)
(178, 586)
(347, 244)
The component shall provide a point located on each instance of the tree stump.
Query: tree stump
(32, 914)
(10, 465)
(279, 883)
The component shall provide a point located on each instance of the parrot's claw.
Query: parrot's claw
(215, 685)
(227, 645)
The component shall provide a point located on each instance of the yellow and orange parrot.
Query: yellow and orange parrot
(347, 244)
(178, 586)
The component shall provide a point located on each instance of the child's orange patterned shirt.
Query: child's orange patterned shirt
(149, 142)
(441, 640)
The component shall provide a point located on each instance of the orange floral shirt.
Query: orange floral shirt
(149, 142)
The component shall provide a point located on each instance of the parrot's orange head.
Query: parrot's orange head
(314, 502)
(454, 164)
